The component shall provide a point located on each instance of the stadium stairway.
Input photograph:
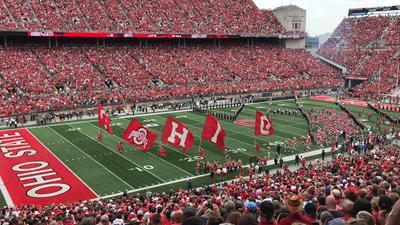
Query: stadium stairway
(326, 60)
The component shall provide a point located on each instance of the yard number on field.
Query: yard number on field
(150, 125)
(74, 129)
(145, 167)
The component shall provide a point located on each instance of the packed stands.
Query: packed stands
(347, 190)
(70, 77)
(329, 124)
(367, 47)
(168, 16)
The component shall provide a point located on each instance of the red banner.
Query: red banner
(126, 35)
(213, 132)
(138, 135)
(177, 134)
(103, 119)
(263, 125)
(33, 175)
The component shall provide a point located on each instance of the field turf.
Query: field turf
(107, 172)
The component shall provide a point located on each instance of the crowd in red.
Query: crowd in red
(167, 16)
(359, 190)
(329, 125)
(367, 47)
(39, 78)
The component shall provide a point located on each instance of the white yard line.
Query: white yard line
(6, 195)
(182, 152)
(154, 186)
(91, 157)
(62, 163)
(138, 115)
(246, 143)
(158, 158)
(270, 162)
(119, 117)
(121, 155)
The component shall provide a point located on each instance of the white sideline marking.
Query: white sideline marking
(119, 117)
(270, 162)
(90, 157)
(6, 195)
(63, 164)
(132, 116)
(152, 154)
(112, 150)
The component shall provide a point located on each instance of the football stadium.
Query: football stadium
(182, 112)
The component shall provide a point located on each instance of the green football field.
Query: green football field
(107, 172)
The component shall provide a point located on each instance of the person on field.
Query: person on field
(278, 149)
(119, 147)
(162, 152)
(202, 153)
(99, 136)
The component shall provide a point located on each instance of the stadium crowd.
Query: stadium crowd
(33, 79)
(360, 189)
(167, 16)
(329, 124)
(367, 47)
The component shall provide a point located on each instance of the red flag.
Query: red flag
(100, 114)
(177, 134)
(263, 125)
(107, 124)
(213, 132)
(138, 135)
(162, 152)
(103, 119)
(258, 147)
(119, 147)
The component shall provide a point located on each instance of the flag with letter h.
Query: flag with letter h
(177, 134)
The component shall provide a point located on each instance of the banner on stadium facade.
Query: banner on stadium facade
(125, 35)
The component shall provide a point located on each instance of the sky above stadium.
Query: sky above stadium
(323, 16)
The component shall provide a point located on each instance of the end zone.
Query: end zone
(355, 102)
(31, 174)
(246, 123)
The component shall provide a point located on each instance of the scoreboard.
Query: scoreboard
(366, 11)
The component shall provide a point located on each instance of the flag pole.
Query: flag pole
(254, 139)
(201, 139)
(159, 145)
